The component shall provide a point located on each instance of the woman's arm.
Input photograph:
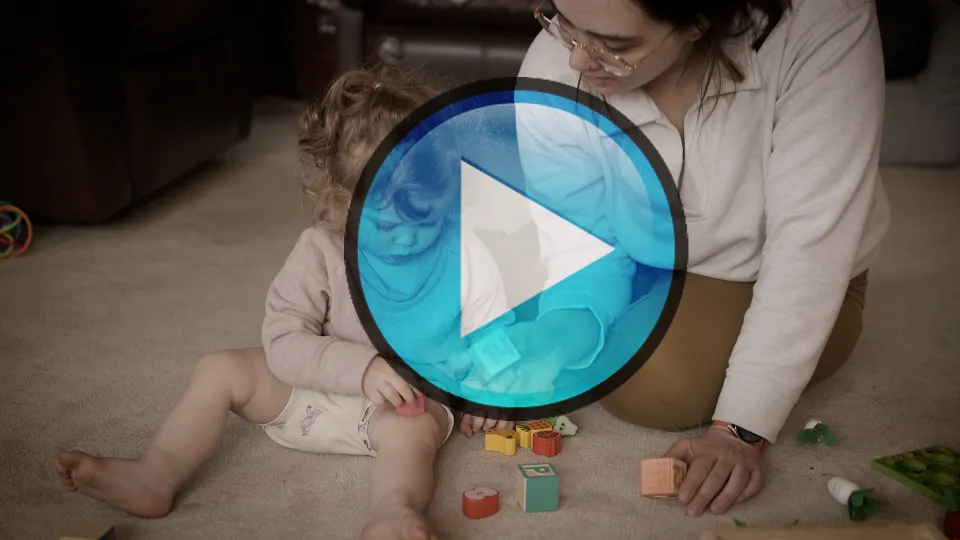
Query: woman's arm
(296, 307)
(822, 182)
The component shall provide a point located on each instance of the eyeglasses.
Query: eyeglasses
(611, 62)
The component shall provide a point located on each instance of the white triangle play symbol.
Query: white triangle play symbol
(505, 210)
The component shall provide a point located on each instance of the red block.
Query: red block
(413, 410)
(480, 502)
(951, 526)
(546, 443)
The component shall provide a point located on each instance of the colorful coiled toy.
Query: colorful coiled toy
(16, 231)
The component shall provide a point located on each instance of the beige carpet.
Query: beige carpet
(100, 326)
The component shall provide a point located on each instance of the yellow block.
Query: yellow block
(525, 435)
(501, 440)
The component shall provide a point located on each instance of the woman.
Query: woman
(768, 115)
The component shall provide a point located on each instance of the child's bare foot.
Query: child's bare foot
(129, 485)
(397, 524)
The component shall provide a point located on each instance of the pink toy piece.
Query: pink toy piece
(661, 478)
(413, 410)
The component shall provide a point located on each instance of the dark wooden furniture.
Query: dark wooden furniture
(107, 101)
(462, 40)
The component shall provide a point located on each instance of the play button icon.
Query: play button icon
(476, 220)
(515, 248)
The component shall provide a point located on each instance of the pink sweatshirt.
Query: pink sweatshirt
(312, 335)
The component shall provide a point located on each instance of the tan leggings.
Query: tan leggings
(679, 385)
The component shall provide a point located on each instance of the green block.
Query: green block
(933, 471)
(539, 489)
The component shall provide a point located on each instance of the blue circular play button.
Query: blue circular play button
(515, 248)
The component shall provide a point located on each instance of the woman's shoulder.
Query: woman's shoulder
(811, 19)
(547, 59)
(808, 12)
(810, 35)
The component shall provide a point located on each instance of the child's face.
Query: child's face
(393, 238)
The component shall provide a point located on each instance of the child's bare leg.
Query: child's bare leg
(402, 483)
(236, 381)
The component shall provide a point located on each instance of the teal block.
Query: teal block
(539, 487)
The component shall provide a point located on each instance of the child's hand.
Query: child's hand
(470, 424)
(382, 384)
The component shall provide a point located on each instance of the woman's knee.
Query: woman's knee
(678, 386)
(842, 341)
(676, 389)
(665, 411)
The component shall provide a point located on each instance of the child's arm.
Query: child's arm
(298, 303)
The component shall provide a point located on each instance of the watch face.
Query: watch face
(748, 436)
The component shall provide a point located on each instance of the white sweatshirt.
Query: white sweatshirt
(780, 186)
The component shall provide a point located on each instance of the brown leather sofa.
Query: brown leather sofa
(106, 101)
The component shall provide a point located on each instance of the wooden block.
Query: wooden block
(90, 531)
(539, 487)
(480, 502)
(524, 436)
(494, 353)
(538, 425)
(563, 425)
(661, 478)
(501, 440)
(416, 409)
(546, 443)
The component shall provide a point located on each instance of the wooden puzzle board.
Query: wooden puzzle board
(900, 531)
(929, 470)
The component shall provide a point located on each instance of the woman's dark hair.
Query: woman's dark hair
(719, 21)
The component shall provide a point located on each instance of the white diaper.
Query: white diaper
(328, 423)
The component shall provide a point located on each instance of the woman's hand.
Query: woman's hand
(722, 471)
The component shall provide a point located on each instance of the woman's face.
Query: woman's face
(621, 27)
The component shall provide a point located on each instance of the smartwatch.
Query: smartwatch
(744, 435)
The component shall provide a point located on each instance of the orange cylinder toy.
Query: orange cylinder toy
(546, 443)
(480, 502)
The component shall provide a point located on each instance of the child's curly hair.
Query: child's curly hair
(340, 132)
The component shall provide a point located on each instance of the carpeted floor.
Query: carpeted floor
(100, 326)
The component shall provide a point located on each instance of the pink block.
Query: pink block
(413, 410)
(661, 478)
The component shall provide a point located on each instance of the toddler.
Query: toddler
(318, 385)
